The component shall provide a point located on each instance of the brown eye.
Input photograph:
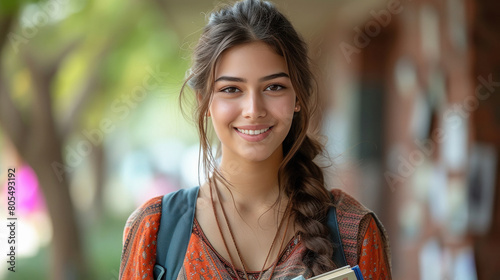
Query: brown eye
(230, 90)
(275, 87)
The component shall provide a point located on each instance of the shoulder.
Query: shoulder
(139, 240)
(151, 209)
(346, 204)
(354, 220)
(352, 217)
(145, 218)
(351, 211)
(149, 213)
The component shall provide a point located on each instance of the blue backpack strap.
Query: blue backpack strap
(176, 225)
(338, 251)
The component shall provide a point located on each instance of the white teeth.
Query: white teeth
(253, 132)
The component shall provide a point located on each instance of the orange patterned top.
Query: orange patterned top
(203, 262)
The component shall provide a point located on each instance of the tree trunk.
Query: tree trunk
(40, 146)
(68, 260)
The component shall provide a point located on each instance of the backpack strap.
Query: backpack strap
(176, 225)
(338, 251)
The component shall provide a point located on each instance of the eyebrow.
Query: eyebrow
(263, 79)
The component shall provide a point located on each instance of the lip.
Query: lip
(254, 138)
(253, 127)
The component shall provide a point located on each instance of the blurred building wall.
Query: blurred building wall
(413, 87)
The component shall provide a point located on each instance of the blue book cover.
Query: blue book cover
(357, 271)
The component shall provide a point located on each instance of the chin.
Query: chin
(259, 156)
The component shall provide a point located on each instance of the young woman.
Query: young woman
(262, 212)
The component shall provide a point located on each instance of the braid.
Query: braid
(304, 182)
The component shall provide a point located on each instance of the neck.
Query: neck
(252, 184)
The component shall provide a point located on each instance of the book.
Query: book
(343, 273)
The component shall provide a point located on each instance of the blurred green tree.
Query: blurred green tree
(63, 64)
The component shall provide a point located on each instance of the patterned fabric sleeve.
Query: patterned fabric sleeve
(139, 241)
(373, 261)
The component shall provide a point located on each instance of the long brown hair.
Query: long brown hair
(299, 176)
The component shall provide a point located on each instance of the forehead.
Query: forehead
(250, 60)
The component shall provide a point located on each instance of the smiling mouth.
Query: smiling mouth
(253, 132)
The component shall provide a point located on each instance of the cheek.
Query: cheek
(286, 107)
(222, 112)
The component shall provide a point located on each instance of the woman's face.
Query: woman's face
(253, 103)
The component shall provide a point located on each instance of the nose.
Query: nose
(254, 105)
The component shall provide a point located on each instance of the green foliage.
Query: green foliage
(108, 41)
(117, 43)
(12, 6)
